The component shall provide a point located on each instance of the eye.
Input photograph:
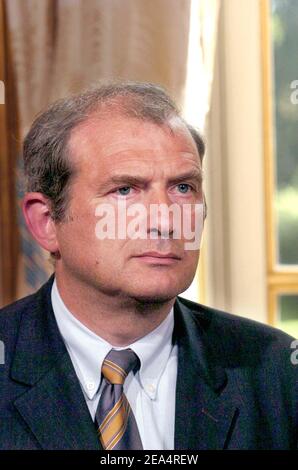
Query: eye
(124, 191)
(183, 187)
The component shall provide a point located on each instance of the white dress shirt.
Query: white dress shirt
(150, 392)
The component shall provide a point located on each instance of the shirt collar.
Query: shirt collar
(88, 350)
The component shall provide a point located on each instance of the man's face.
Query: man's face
(125, 159)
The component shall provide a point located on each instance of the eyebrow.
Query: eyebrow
(193, 175)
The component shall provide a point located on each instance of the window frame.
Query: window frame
(281, 279)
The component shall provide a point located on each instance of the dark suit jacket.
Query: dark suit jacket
(236, 384)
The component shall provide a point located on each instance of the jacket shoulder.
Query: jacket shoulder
(11, 315)
(10, 318)
(237, 329)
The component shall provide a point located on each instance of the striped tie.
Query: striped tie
(117, 427)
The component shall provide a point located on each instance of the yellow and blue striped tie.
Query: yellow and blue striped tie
(117, 427)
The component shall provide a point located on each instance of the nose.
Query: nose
(160, 215)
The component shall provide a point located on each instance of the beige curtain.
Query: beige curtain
(200, 62)
(61, 46)
(64, 45)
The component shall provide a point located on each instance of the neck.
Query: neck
(119, 320)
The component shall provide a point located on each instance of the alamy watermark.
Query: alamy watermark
(137, 221)
(294, 355)
(2, 92)
(294, 94)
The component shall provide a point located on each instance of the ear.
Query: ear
(36, 210)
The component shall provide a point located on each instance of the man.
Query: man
(105, 355)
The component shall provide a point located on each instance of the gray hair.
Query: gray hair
(47, 164)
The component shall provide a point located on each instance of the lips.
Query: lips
(158, 259)
(157, 254)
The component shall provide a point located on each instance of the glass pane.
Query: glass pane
(284, 16)
(288, 314)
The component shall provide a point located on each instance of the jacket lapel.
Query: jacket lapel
(53, 406)
(205, 412)
(56, 412)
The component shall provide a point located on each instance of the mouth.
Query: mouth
(155, 257)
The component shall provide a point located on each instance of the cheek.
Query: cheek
(191, 258)
(76, 236)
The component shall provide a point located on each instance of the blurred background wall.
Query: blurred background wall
(231, 67)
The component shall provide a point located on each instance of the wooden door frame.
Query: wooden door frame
(9, 151)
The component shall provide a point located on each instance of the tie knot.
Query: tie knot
(117, 365)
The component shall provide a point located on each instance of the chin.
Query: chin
(158, 294)
(153, 299)
(157, 287)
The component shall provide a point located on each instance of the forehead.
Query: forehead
(103, 142)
